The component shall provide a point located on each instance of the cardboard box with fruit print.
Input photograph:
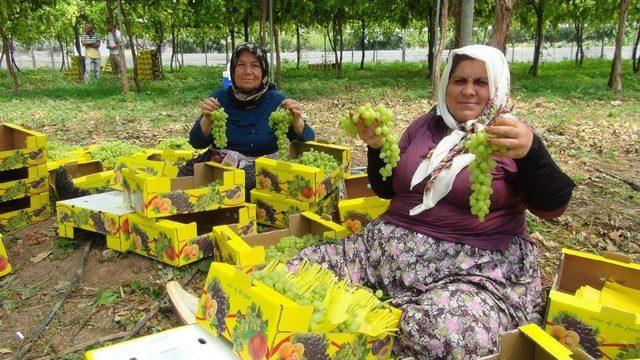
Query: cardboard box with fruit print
(86, 175)
(20, 147)
(211, 187)
(264, 324)
(181, 239)
(21, 182)
(234, 250)
(603, 326)
(18, 213)
(361, 205)
(171, 158)
(274, 209)
(104, 213)
(5, 266)
(529, 342)
(301, 182)
(153, 168)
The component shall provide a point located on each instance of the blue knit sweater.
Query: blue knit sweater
(248, 131)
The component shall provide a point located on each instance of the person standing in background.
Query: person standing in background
(91, 43)
(114, 45)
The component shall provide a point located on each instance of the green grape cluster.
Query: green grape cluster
(480, 170)
(318, 159)
(108, 152)
(174, 144)
(289, 246)
(279, 121)
(219, 128)
(390, 152)
(58, 150)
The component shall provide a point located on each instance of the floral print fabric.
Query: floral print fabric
(456, 299)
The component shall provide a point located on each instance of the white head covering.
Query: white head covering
(499, 85)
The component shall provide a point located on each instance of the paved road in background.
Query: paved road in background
(43, 58)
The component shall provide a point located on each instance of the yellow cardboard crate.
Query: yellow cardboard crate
(361, 205)
(279, 320)
(160, 196)
(87, 175)
(21, 182)
(104, 213)
(5, 265)
(176, 157)
(155, 168)
(74, 156)
(20, 147)
(249, 250)
(18, 213)
(304, 183)
(603, 332)
(185, 238)
(529, 342)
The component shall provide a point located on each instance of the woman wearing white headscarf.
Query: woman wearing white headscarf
(459, 282)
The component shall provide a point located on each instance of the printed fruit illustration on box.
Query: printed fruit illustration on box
(356, 221)
(249, 331)
(23, 218)
(214, 306)
(267, 180)
(573, 333)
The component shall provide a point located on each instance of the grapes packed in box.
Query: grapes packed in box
(273, 314)
(18, 213)
(361, 205)
(21, 182)
(185, 238)
(594, 305)
(5, 266)
(274, 209)
(303, 182)
(20, 147)
(212, 186)
(304, 230)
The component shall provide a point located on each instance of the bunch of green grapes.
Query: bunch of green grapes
(480, 170)
(219, 128)
(174, 144)
(390, 152)
(108, 152)
(279, 121)
(289, 246)
(318, 159)
(58, 149)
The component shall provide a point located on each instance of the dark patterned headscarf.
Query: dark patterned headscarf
(246, 99)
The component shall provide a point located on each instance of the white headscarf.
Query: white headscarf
(499, 85)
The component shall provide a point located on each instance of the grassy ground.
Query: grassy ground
(594, 137)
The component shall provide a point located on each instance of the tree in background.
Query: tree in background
(615, 77)
(503, 11)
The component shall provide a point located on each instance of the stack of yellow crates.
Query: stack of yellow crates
(148, 65)
(24, 184)
(76, 70)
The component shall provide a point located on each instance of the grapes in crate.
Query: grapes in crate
(279, 121)
(318, 159)
(382, 118)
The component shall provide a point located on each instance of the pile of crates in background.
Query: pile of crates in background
(76, 71)
(24, 181)
(148, 65)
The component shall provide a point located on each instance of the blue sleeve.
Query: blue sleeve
(196, 138)
(307, 134)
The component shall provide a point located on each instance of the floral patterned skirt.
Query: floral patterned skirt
(456, 299)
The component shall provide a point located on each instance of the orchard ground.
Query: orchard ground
(592, 135)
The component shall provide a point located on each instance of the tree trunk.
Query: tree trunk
(298, 47)
(173, 47)
(435, 73)
(264, 7)
(33, 58)
(204, 46)
(466, 25)
(5, 47)
(362, 42)
(457, 16)
(615, 78)
(578, 26)
(276, 39)
(636, 59)
(233, 38)
(538, 7)
(122, 66)
(602, 47)
(245, 25)
(12, 50)
(76, 35)
(127, 26)
(53, 60)
(160, 40)
(341, 32)
(226, 49)
(181, 51)
(431, 20)
(59, 38)
(404, 45)
(1, 57)
(501, 24)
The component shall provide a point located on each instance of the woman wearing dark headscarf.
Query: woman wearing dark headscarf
(248, 103)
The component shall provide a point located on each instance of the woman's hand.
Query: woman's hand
(367, 134)
(294, 107)
(512, 134)
(208, 106)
